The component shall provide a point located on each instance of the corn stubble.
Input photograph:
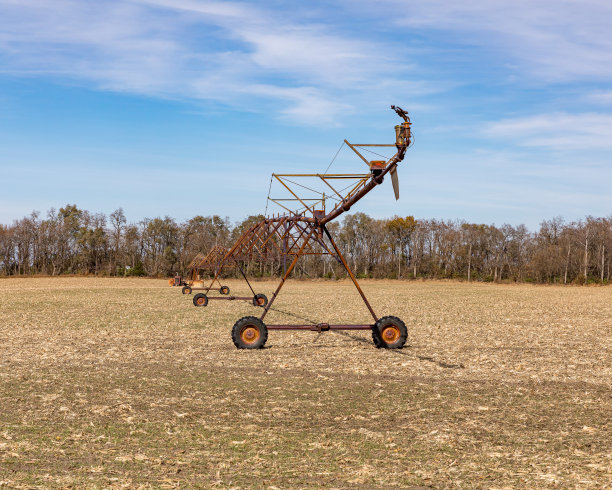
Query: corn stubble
(123, 382)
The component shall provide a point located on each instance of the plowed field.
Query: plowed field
(123, 382)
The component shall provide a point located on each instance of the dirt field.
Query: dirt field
(109, 382)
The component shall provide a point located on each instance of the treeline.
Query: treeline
(74, 241)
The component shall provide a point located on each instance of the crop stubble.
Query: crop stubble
(123, 382)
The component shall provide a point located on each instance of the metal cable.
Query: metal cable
(333, 159)
(312, 190)
(345, 188)
(268, 198)
(378, 154)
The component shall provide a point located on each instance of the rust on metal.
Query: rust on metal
(232, 298)
(302, 230)
(320, 327)
(250, 334)
(390, 334)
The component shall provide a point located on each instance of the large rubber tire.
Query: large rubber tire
(200, 299)
(260, 300)
(249, 333)
(224, 290)
(186, 290)
(389, 332)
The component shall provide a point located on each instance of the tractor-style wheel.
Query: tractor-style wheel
(389, 333)
(200, 299)
(224, 290)
(249, 333)
(260, 300)
(186, 290)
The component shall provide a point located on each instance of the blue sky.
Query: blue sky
(185, 107)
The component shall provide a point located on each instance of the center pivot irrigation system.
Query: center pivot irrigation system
(303, 231)
(197, 268)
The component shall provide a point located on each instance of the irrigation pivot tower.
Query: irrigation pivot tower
(303, 231)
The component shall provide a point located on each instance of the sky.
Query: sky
(186, 107)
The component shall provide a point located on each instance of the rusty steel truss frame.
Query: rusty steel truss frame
(303, 231)
(200, 263)
(214, 262)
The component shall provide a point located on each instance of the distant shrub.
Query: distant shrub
(138, 270)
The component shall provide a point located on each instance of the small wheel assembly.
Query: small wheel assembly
(249, 333)
(389, 332)
(260, 300)
(224, 290)
(200, 300)
(186, 290)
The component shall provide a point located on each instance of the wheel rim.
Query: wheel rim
(260, 301)
(249, 334)
(390, 334)
(200, 301)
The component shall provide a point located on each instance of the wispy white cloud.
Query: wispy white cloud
(599, 97)
(232, 52)
(557, 131)
(551, 40)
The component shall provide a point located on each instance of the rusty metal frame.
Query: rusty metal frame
(301, 237)
(302, 231)
(208, 262)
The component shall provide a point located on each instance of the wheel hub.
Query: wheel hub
(250, 334)
(390, 334)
